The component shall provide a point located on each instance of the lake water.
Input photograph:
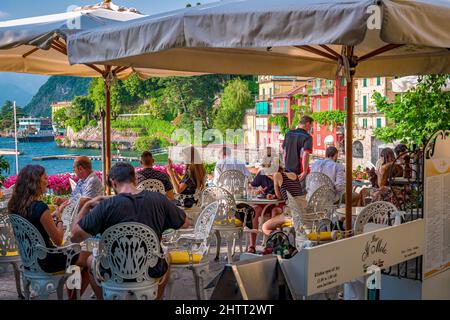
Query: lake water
(36, 149)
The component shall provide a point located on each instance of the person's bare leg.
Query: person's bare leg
(273, 224)
(164, 281)
(255, 225)
(97, 290)
(276, 211)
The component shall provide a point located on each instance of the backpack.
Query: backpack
(279, 243)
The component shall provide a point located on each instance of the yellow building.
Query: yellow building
(59, 105)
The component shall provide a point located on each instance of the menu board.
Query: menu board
(437, 204)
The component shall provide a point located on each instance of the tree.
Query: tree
(60, 117)
(415, 115)
(4, 166)
(236, 98)
(7, 115)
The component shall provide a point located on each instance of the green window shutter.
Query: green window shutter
(378, 122)
(364, 103)
(365, 123)
(318, 105)
(378, 81)
(364, 82)
(285, 105)
(278, 106)
(330, 103)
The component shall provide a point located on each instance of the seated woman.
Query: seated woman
(265, 186)
(284, 182)
(194, 178)
(388, 169)
(26, 201)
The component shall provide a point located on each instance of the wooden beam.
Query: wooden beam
(334, 53)
(30, 52)
(318, 52)
(59, 49)
(119, 69)
(378, 51)
(93, 67)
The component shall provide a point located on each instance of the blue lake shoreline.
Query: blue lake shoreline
(36, 149)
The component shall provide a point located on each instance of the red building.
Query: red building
(327, 95)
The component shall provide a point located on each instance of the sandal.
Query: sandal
(251, 249)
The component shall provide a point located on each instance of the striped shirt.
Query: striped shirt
(293, 186)
(90, 187)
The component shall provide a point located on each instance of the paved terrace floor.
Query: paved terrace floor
(184, 288)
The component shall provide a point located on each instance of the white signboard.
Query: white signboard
(437, 204)
(320, 268)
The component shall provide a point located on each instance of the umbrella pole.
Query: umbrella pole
(349, 141)
(107, 158)
(102, 119)
(349, 155)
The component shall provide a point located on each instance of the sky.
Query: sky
(15, 9)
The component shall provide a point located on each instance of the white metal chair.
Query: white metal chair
(73, 184)
(233, 181)
(193, 212)
(309, 217)
(225, 223)
(32, 248)
(69, 212)
(379, 213)
(152, 185)
(315, 180)
(121, 266)
(190, 251)
(9, 253)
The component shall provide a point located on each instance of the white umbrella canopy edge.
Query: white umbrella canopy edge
(257, 37)
(37, 45)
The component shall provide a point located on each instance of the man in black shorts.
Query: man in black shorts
(297, 147)
(129, 205)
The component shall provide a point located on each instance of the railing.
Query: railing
(409, 195)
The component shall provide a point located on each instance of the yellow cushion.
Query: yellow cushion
(324, 236)
(182, 257)
(287, 224)
(12, 253)
(237, 222)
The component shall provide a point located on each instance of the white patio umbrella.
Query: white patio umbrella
(320, 38)
(404, 84)
(38, 45)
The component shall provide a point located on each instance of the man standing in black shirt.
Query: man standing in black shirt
(297, 147)
(129, 205)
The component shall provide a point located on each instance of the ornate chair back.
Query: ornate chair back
(315, 180)
(69, 212)
(73, 184)
(304, 221)
(227, 208)
(29, 241)
(322, 200)
(205, 221)
(379, 212)
(127, 251)
(152, 185)
(7, 240)
(233, 181)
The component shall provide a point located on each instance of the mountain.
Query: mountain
(57, 88)
(28, 82)
(12, 92)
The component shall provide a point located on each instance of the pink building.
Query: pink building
(328, 95)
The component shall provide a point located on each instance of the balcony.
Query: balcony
(263, 97)
(262, 127)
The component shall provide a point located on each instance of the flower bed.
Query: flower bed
(60, 183)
